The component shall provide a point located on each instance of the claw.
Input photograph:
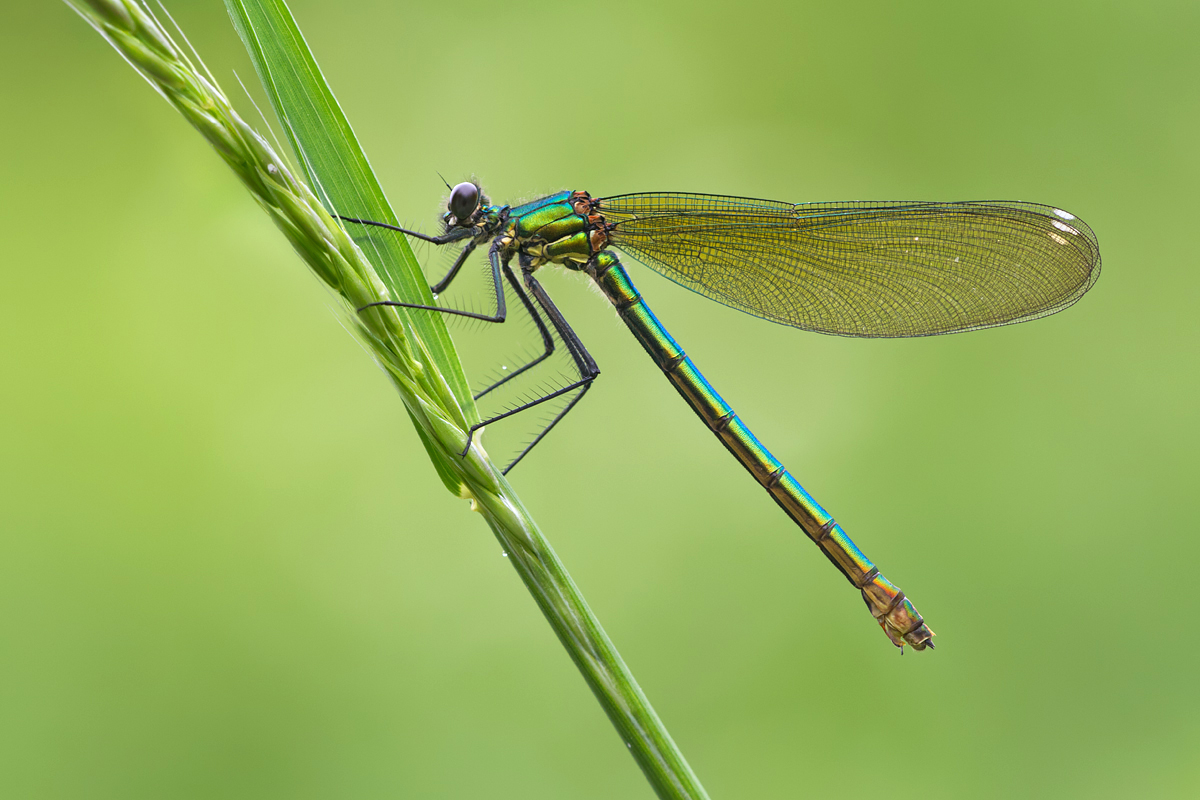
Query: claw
(467, 447)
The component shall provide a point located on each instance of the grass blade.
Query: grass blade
(337, 169)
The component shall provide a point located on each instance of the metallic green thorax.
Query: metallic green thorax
(566, 229)
(549, 231)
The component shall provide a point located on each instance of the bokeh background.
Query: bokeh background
(227, 568)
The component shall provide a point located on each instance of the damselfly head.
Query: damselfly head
(464, 201)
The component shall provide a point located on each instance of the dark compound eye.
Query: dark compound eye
(464, 199)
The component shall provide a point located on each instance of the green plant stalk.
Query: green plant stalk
(394, 342)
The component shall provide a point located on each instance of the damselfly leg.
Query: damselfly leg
(585, 365)
(440, 286)
(547, 339)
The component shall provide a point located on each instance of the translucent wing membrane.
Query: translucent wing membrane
(863, 269)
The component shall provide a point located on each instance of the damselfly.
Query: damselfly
(850, 269)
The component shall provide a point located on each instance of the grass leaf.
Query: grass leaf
(338, 170)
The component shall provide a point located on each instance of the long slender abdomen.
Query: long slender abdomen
(891, 609)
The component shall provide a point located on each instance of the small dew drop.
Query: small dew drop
(916, 238)
(271, 168)
(503, 366)
(504, 553)
(629, 745)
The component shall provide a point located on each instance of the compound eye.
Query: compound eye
(464, 199)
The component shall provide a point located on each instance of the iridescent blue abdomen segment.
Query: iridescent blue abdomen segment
(895, 614)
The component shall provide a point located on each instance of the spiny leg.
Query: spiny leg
(494, 257)
(584, 364)
(453, 236)
(547, 339)
(557, 418)
(441, 285)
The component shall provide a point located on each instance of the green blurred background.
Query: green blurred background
(227, 568)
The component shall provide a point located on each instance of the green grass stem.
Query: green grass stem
(412, 349)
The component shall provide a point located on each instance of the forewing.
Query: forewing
(863, 269)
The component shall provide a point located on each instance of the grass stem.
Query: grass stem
(422, 370)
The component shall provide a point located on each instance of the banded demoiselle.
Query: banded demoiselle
(849, 269)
